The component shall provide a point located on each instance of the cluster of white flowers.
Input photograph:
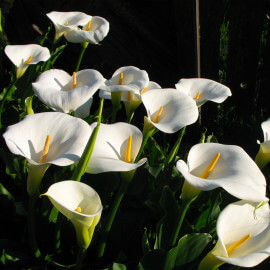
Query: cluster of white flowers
(117, 145)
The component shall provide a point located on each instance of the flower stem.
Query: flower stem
(87, 153)
(80, 258)
(8, 92)
(109, 221)
(31, 226)
(175, 148)
(183, 211)
(145, 139)
(83, 48)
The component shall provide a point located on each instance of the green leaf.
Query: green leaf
(203, 219)
(4, 191)
(119, 266)
(216, 209)
(188, 249)
(145, 243)
(155, 170)
(53, 215)
(212, 139)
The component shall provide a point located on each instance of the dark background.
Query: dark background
(159, 37)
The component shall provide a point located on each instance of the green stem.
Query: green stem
(9, 91)
(145, 139)
(87, 153)
(31, 226)
(109, 221)
(183, 211)
(80, 258)
(84, 46)
(175, 148)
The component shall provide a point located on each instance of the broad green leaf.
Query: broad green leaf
(119, 266)
(188, 249)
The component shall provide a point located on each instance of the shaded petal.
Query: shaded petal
(54, 88)
(110, 148)
(238, 220)
(67, 195)
(179, 109)
(84, 110)
(266, 130)
(69, 136)
(98, 31)
(209, 90)
(235, 171)
(19, 54)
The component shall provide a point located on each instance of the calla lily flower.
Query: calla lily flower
(263, 156)
(80, 204)
(47, 138)
(203, 90)
(233, 171)
(93, 31)
(64, 21)
(24, 55)
(169, 110)
(125, 79)
(116, 148)
(131, 99)
(243, 236)
(62, 92)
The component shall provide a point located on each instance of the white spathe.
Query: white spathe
(263, 156)
(134, 95)
(68, 196)
(235, 222)
(134, 79)
(69, 136)
(110, 148)
(179, 109)
(99, 29)
(55, 88)
(209, 90)
(24, 55)
(234, 171)
(64, 21)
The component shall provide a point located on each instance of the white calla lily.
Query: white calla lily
(93, 31)
(263, 156)
(131, 99)
(68, 137)
(234, 171)
(243, 236)
(169, 110)
(111, 149)
(133, 79)
(24, 55)
(57, 89)
(80, 204)
(64, 21)
(203, 90)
